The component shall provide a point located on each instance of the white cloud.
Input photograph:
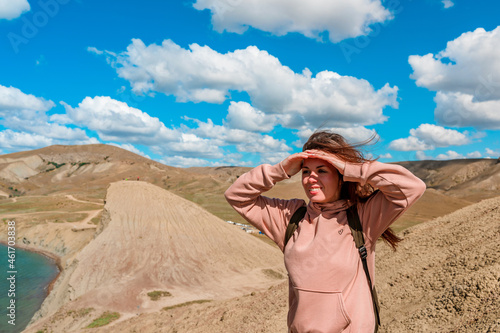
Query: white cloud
(353, 135)
(262, 144)
(11, 9)
(450, 155)
(184, 162)
(131, 148)
(447, 3)
(13, 140)
(422, 156)
(474, 154)
(242, 115)
(29, 126)
(14, 100)
(93, 49)
(340, 18)
(273, 157)
(428, 137)
(192, 145)
(492, 152)
(387, 155)
(245, 141)
(409, 144)
(298, 99)
(439, 136)
(466, 77)
(457, 109)
(469, 64)
(116, 121)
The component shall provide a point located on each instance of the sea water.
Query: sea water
(25, 287)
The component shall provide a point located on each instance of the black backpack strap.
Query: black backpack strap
(294, 223)
(359, 240)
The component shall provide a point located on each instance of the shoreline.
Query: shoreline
(45, 253)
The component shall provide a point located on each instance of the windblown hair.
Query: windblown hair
(351, 191)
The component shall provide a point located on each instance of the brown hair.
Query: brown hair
(351, 191)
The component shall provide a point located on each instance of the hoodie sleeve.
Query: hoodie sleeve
(397, 187)
(269, 215)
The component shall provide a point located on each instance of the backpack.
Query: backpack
(359, 240)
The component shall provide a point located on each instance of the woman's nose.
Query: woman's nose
(313, 178)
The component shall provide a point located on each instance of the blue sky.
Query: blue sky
(239, 82)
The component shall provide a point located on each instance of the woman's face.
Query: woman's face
(320, 180)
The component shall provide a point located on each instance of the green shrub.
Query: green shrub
(157, 294)
(104, 319)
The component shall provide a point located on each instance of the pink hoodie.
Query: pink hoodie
(329, 292)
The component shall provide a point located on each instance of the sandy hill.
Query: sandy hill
(445, 277)
(153, 240)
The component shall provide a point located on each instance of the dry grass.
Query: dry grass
(104, 319)
(37, 204)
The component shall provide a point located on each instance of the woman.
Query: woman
(329, 291)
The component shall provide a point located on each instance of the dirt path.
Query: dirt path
(69, 196)
(76, 226)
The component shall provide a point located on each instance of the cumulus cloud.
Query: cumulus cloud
(21, 140)
(474, 154)
(185, 162)
(469, 64)
(244, 141)
(387, 155)
(200, 74)
(492, 152)
(450, 155)
(356, 134)
(131, 148)
(409, 144)
(14, 100)
(447, 3)
(29, 125)
(458, 109)
(191, 145)
(241, 115)
(12, 9)
(116, 121)
(341, 19)
(428, 137)
(422, 156)
(466, 77)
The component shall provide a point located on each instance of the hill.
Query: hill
(154, 241)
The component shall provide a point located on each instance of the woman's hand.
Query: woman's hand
(293, 163)
(328, 157)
